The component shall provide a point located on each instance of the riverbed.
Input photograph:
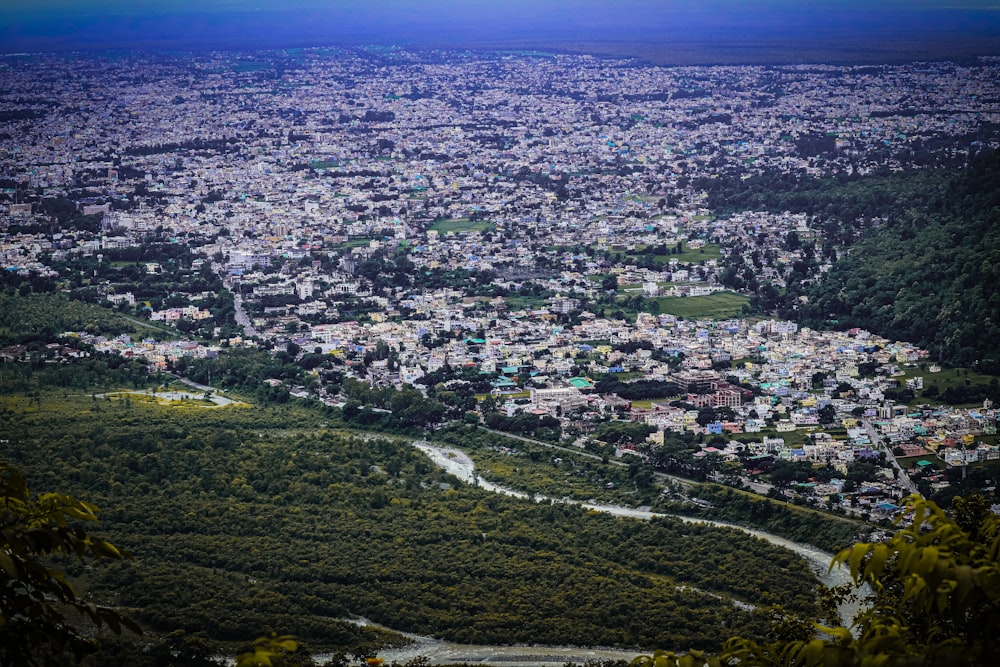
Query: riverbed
(461, 466)
(436, 651)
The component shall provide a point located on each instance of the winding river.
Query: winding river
(436, 651)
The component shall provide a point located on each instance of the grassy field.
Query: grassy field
(526, 302)
(908, 461)
(718, 306)
(791, 438)
(689, 256)
(710, 251)
(324, 164)
(646, 404)
(943, 380)
(354, 243)
(457, 225)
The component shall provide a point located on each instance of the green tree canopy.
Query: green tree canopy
(36, 601)
(935, 600)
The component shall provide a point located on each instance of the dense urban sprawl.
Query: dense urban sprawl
(528, 229)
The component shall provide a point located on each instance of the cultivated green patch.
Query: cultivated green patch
(717, 306)
(457, 225)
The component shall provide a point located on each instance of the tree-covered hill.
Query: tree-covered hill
(43, 317)
(930, 275)
(923, 260)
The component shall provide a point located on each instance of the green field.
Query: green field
(323, 164)
(710, 251)
(909, 461)
(458, 225)
(354, 243)
(686, 256)
(646, 404)
(526, 302)
(947, 378)
(718, 306)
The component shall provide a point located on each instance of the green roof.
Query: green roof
(581, 383)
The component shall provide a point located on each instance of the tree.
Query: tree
(36, 601)
(827, 414)
(706, 415)
(935, 600)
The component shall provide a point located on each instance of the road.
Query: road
(901, 476)
(242, 318)
(192, 383)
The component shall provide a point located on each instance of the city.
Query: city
(526, 242)
(497, 212)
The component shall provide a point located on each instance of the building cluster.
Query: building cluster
(520, 216)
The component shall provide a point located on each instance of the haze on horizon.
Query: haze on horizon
(965, 27)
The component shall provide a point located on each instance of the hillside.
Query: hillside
(928, 275)
(41, 318)
(922, 258)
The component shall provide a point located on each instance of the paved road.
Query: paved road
(901, 476)
(242, 318)
(192, 383)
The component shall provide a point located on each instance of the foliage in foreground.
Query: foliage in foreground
(37, 603)
(935, 600)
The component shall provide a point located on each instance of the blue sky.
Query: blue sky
(44, 24)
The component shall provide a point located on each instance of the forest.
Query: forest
(922, 254)
(533, 468)
(927, 275)
(42, 318)
(288, 522)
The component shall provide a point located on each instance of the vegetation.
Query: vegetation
(800, 524)
(37, 604)
(655, 256)
(289, 527)
(44, 317)
(935, 600)
(717, 306)
(245, 370)
(940, 248)
(920, 265)
(457, 225)
(567, 473)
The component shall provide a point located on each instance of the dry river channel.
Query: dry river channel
(436, 651)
